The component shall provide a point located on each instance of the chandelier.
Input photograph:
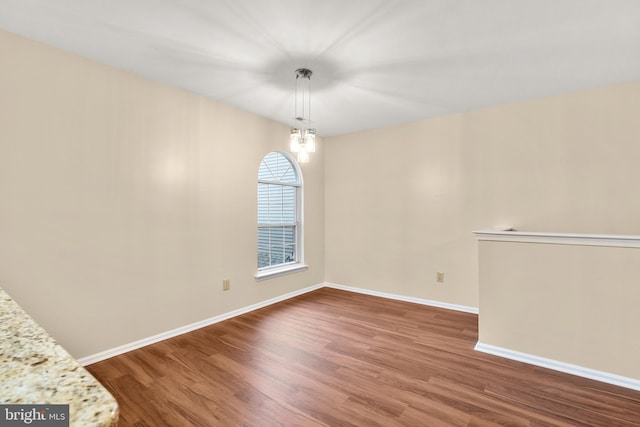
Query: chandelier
(302, 138)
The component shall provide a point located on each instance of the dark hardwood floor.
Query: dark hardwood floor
(335, 358)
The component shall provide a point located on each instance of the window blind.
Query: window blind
(278, 188)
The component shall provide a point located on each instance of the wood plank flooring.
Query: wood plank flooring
(335, 358)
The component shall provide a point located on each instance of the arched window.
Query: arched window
(279, 216)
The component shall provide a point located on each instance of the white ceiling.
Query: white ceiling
(375, 62)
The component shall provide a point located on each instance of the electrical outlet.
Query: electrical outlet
(226, 284)
(440, 277)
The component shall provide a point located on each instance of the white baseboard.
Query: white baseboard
(567, 368)
(98, 357)
(593, 374)
(94, 358)
(439, 304)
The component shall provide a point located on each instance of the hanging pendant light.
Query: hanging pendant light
(302, 138)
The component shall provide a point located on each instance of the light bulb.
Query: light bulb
(294, 140)
(310, 141)
(303, 155)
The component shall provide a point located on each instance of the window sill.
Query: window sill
(280, 271)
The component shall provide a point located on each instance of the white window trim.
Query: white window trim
(299, 265)
(281, 270)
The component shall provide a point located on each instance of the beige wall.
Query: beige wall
(125, 203)
(575, 304)
(401, 202)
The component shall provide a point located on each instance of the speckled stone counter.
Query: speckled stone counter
(34, 369)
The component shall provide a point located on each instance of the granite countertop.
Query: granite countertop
(34, 369)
